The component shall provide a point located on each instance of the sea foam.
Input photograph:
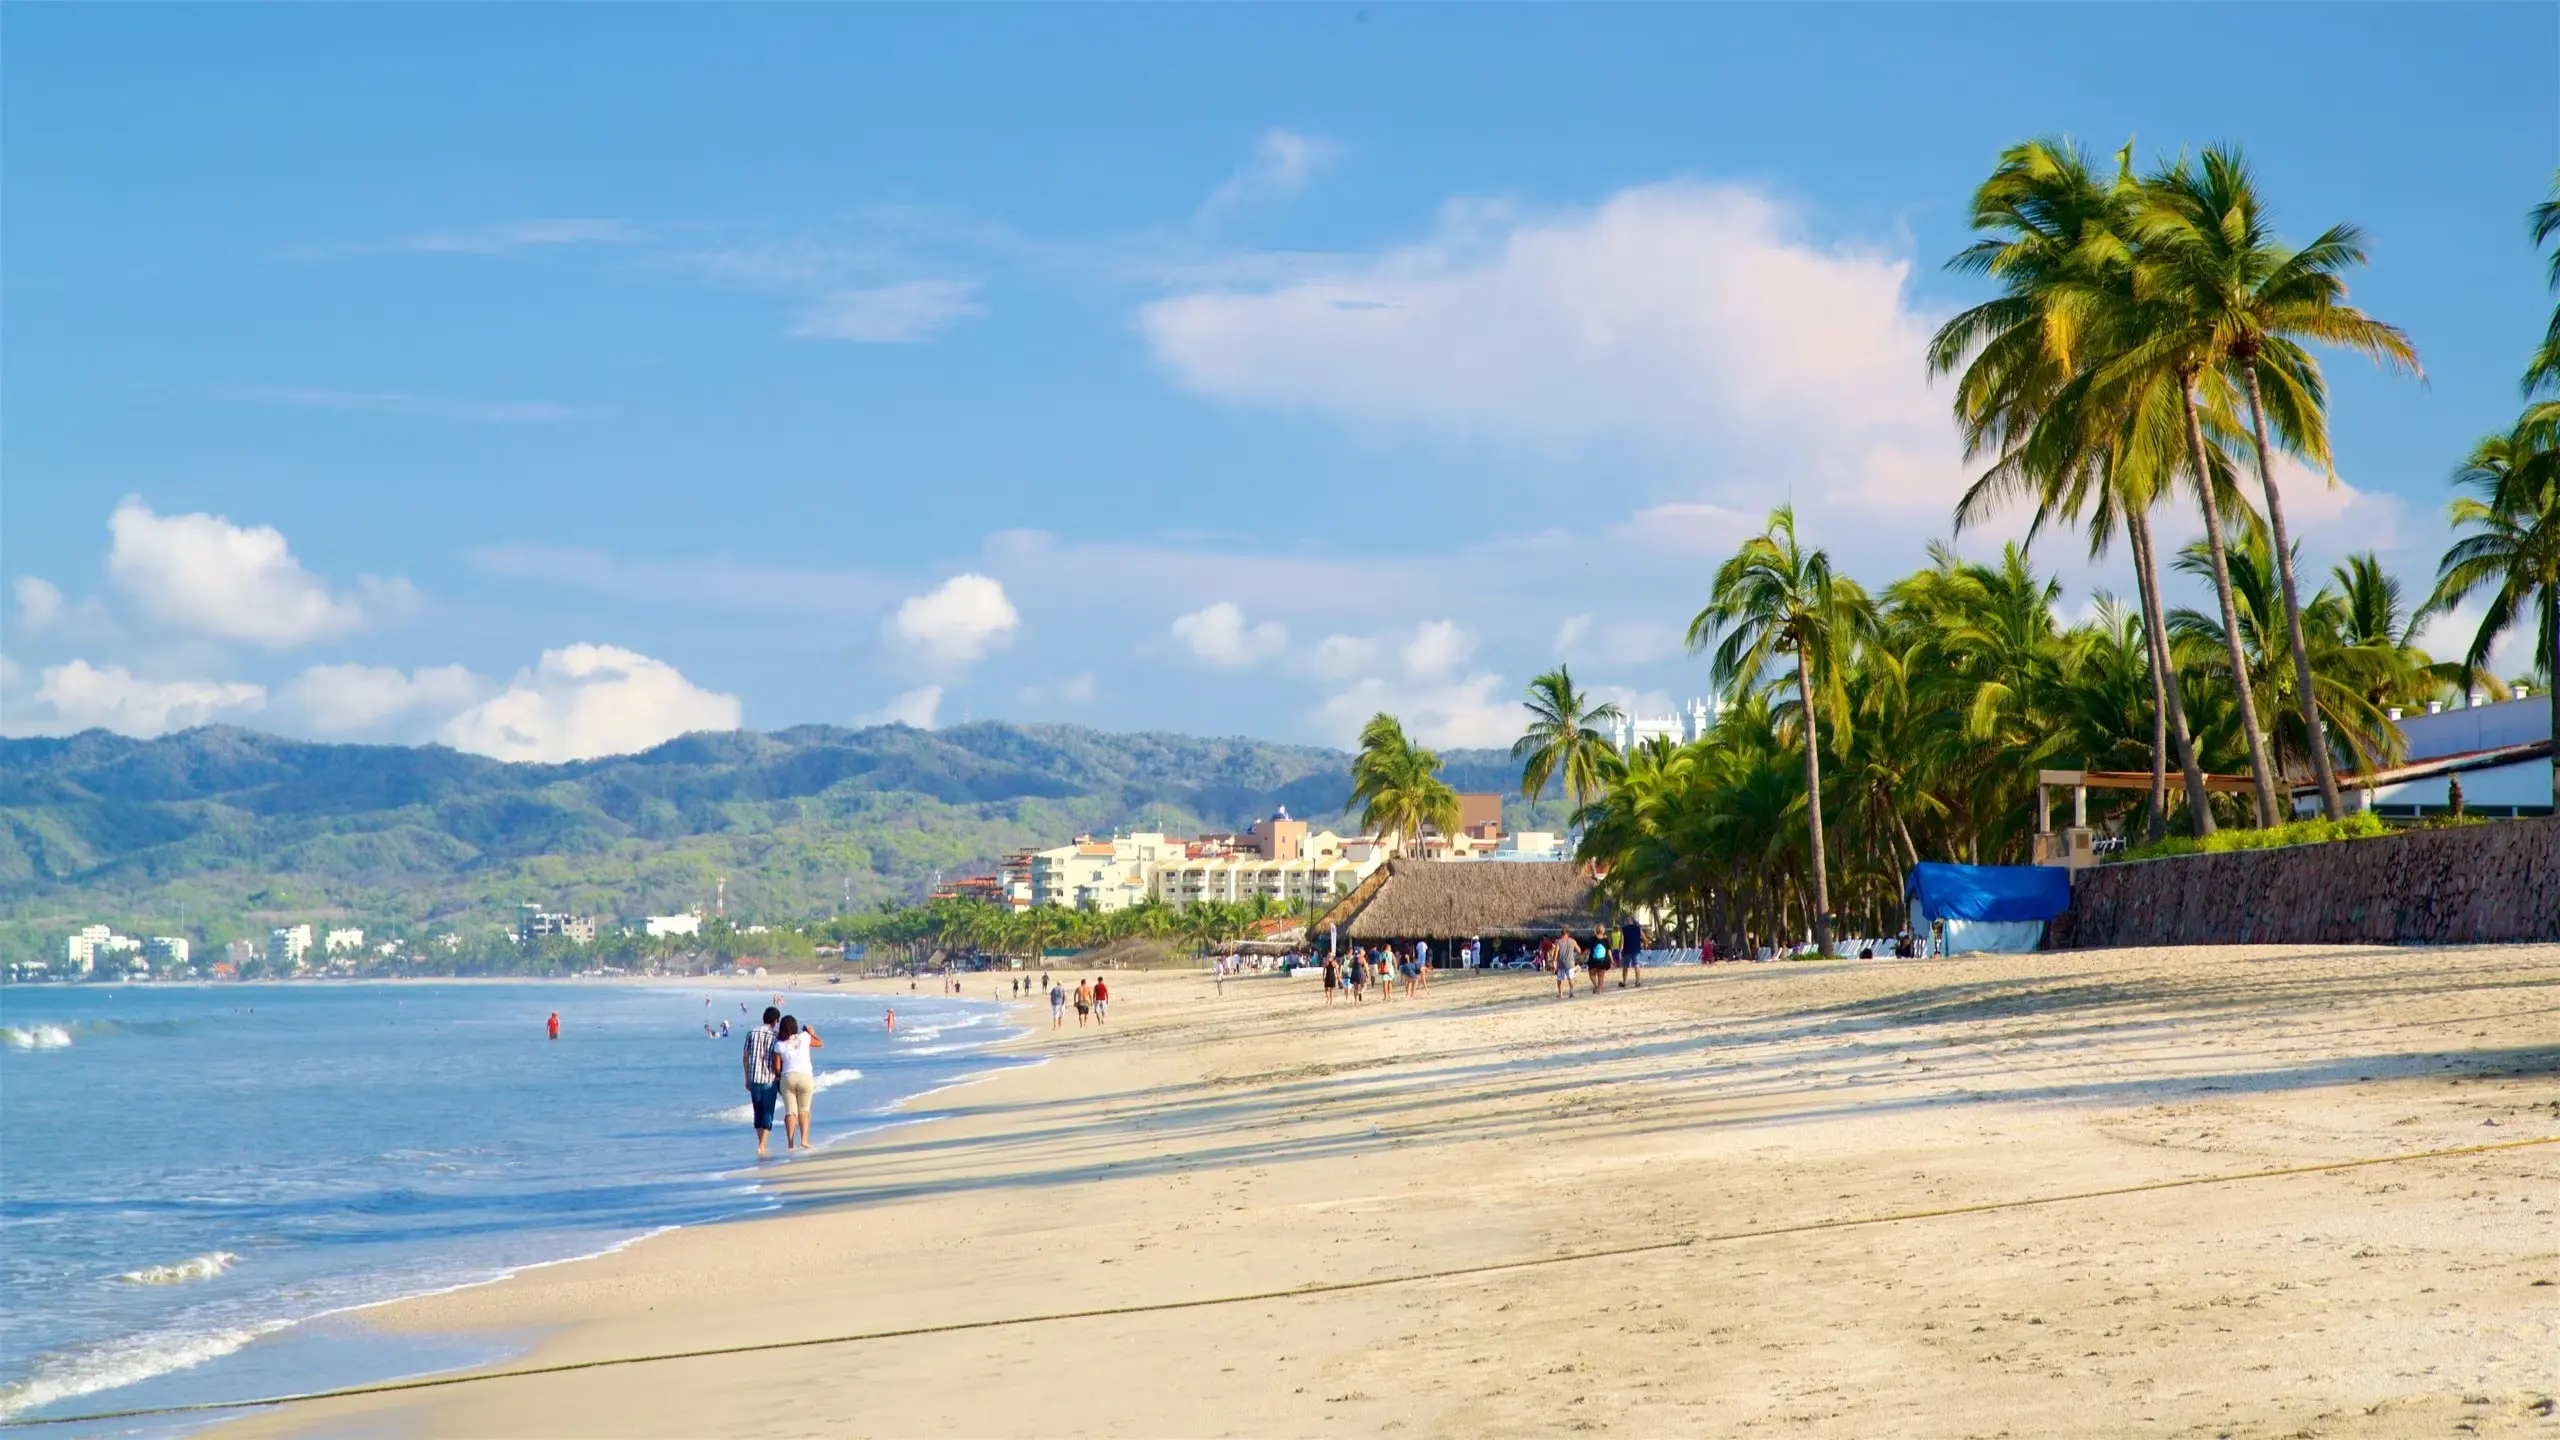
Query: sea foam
(35, 1037)
(86, 1372)
(200, 1267)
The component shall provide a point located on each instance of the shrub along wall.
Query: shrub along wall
(2494, 881)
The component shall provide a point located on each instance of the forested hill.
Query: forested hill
(219, 831)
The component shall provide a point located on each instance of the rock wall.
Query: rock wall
(2488, 882)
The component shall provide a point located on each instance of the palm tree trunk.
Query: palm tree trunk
(2551, 680)
(2321, 769)
(2261, 773)
(2158, 823)
(1821, 906)
(2165, 669)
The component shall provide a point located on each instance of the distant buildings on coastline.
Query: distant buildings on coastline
(1278, 859)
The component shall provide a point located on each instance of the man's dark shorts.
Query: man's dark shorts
(761, 1097)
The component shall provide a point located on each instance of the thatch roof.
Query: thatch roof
(1459, 899)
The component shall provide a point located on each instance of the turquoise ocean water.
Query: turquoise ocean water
(196, 1183)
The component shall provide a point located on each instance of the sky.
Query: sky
(550, 381)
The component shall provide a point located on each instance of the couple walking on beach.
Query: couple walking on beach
(780, 1068)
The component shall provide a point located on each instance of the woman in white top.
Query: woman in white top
(798, 1074)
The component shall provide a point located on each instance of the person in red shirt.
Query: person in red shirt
(553, 1025)
(1101, 1000)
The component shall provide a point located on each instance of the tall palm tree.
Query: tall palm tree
(1774, 598)
(2055, 239)
(1564, 739)
(1397, 784)
(2544, 371)
(2236, 301)
(2513, 548)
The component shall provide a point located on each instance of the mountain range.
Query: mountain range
(221, 831)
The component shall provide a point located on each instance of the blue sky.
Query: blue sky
(551, 380)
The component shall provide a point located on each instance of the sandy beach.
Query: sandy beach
(1759, 1125)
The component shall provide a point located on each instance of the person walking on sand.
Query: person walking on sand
(1599, 962)
(1101, 1000)
(1630, 946)
(797, 1070)
(763, 1084)
(1568, 956)
(1084, 1003)
(1057, 1006)
(1332, 979)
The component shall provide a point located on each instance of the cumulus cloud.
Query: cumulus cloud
(587, 700)
(959, 621)
(79, 696)
(1692, 323)
(891, 314)
(201, 573)
(378, 701)
(1219, 635)
(39, 604)
(1282, 163)
(915, 707)
(1437, 647)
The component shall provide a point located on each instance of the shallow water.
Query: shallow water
(191, 1174)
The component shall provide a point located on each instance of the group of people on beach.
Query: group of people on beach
(1092, 999)
(781, 1069)
(1381, 968)
(1563, 954)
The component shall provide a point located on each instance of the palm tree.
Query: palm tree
(1773, 598)
(2513, 548)
(2544, 371)
(1397, 784)
(2056, 241)
(1564, 740)
(2238, 302)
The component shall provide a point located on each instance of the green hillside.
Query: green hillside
(220, 831)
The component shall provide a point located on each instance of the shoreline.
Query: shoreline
(149, 1365)
(1262, 1141)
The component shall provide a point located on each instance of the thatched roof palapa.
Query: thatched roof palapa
(1461, 899)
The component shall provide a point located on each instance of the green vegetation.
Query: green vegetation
(2149, 335)
(2317, 831)
(223, 833)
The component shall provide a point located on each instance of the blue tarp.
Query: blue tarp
(1988, 892)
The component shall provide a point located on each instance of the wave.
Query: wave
(35, 1037)
(741, 1114)
(118, 1363)
(200, 1267)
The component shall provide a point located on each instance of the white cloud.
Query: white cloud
(503, 238)
(1219, 635)
(586, 700)
(39, 604)
(1437, 648)
(1282, 163)
(80, 696)
(378, 701)
(397, 402)
(2447, 635)
(1452, 714)
(959, 621)
(204, 574)
(1340, 657)
(1691, 323)
(890, 314)
(915, 707)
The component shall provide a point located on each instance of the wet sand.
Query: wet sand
(1203, 1147)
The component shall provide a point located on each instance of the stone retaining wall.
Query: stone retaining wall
(2489, 882)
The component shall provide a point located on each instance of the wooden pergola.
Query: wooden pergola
(2078, 847)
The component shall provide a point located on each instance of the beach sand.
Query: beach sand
(1206, 1146)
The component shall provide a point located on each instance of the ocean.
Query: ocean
(197, 1182)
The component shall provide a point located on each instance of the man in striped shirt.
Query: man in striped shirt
(763, 1085)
